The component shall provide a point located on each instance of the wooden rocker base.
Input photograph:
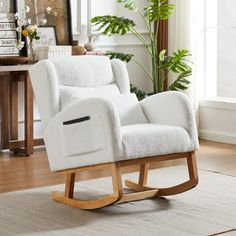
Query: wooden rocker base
(142, 191)
(82, 204)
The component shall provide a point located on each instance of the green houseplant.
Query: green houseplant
(162, 64)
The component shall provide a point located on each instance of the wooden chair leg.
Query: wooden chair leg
(68, 199)
(117, 181)
(69, 185)
(143, 174)
(191, 183)
(192, 167)
(142, 190)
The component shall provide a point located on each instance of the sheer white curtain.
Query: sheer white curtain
(186, 30)
(179, 25)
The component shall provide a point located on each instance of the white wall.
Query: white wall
(226, 50)
(218, 121)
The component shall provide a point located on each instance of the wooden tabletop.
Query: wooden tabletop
(24, 67)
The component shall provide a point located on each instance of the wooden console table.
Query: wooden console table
(9, 78)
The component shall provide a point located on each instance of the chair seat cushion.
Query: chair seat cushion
(142, 140)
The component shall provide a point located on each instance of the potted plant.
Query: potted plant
(162, 64)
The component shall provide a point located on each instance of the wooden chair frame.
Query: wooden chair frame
(141, 190)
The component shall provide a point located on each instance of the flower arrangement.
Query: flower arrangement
(29, 31)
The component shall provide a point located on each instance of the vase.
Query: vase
(23, 51)
(90, 45)
(31, 53)
(76, 49)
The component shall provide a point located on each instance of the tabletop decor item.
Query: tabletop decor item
(30, 31)
(8, 36)
(62, 21)
(91, 44)
(54, 52)
(77, 49)
(31, 34)
(154, 12)
(48, 36)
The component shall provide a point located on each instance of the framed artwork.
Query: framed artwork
(48, 36)
(60, 16)
(8, 36)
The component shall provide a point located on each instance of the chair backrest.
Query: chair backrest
(55, 81)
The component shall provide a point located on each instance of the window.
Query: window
(220, 49)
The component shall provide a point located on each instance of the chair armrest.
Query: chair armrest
(171, 108)
(83, 127)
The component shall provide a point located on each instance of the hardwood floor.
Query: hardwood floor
(19, 172)
(217, 157)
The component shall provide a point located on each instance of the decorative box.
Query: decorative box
(53, 52)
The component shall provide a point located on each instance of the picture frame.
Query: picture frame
(48, 36)
(61, 22)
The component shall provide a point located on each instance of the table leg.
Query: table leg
(13, 109)
(29, 123)
(9, 113)
(4, 98)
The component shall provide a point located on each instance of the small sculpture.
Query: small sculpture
(91, 45)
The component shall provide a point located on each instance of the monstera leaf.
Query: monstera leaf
(112, 24)
(158, 10)
(177, 62)
(129, 4)
(181, 83)
(139, 93)
(119, 55)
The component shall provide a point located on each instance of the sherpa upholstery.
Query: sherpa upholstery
(161, 139)
(127, 105)
(90, 117)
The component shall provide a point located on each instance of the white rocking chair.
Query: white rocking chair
(91, 121)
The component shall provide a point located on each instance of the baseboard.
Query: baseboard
(216, 136)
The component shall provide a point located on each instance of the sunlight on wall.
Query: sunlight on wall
(220, 36)
(211, 48)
